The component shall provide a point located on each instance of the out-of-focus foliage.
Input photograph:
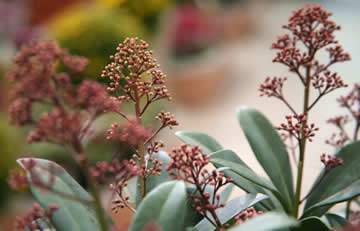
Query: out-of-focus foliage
(94, 32)
(9, 143)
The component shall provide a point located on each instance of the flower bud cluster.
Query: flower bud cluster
(67, 106)
(352, 102)
(135, 65)
(330, 162)
(28, 221)
(327, 82)
(272, 87)
(298, 127)
(189, 164)
(247, 214)
(131, 132)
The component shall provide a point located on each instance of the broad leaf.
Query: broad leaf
(72, 215)
(242, 182)
(205, 142)
(340, 184)
(154, 180)
(312, 223)
(269, 150)
(267, 222)
(246, 173)
(232, 208)
(165, 205)
(334, 220)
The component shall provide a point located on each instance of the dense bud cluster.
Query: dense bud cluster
(247, 214)
(189, 164)
(272, 87)
(30, 220)
(330, 162)
(298, 127)
(134, 65)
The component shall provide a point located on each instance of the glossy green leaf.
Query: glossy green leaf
(246, 173)
(269, 221)
(154, 180)
(334, 220)
(205, 142)
(242, 182)
(312, 223)
(232, 208)
(269, 150)
(164, 205)
(72, 215)
(340, 184)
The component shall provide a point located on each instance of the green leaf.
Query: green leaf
(242, 182)
(164, 205)
(72, 215)
(312, 223)
(232, 208)
(205, 142)
(154, 180)
(267, 222)
(269, 150)
(246, 173)
(340, 184)
(334, 220)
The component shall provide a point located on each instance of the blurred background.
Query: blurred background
(215, 53)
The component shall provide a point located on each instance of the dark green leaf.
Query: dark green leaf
(269, 150)
(340, 184)
(334, 220)
(205, 142)
(242, 182)
(232, 208)
(312, 223)
(246, 173)
(267, 222)
(72, 215)
(164, 205)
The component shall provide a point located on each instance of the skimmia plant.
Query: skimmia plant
(188, 188)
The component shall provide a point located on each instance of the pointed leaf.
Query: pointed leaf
(269, 150)
(267, 222)
(242, 182)
(340, 184)
(164, 205)
(246, 173)
(72, 215)
(232, 208)
(205, 142)
(334, 220)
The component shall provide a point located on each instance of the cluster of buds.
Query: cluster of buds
(310, 31)
(298, 127)
(152, 167)
(167, 120)
(31, 220)
(131, 132)
(17, 179)
(36, 82)
(135, 65)
(189, 163)
(247, 214)
(272, 87)
(337, 140)
(352, 102)
(330, 162)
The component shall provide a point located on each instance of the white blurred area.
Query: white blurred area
(248, 62)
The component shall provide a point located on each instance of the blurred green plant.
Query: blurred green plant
(94, 32)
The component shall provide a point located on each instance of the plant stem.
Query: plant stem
(84, 165)
(141, 146)
(302, 146)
